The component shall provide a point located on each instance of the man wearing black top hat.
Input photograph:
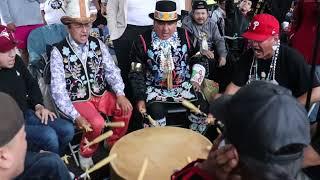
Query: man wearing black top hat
(161, 67)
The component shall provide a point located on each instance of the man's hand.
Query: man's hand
(124, 104)
(221, 162)
(82, 123)
(311, 157)
(208, 54)
(44, 114)
(196, 86)
(141, 106)
(11, 27)
(222, 61)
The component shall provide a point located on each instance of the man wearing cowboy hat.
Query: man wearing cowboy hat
(271, 61)
(161, 67)
(82, 72)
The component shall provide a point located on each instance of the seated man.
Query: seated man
(160, 70)
(81, 72)
(206, 32)
(13, 149)
(44, 130)
(208, 36)
(236, 23)
(266, 132)
(269, 60)
(218, 14)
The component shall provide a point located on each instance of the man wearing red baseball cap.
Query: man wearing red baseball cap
(44, 130)
(269, 60)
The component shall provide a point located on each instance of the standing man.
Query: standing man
(21, 24)
(218, 14)
(236, 23)
(126, 20)
(269, 60)
(85, 80)
(276, 8)
(188, 5)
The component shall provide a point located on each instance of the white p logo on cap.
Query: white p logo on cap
(5, 34)
(255, 25)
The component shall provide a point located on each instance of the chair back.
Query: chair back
(43, 37)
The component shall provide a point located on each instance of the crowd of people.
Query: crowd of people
(165, 52)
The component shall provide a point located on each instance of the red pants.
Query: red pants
(91, 110)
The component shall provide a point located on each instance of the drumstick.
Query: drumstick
(192, 107)
(99, 138)
(114, 124)
(99, 165)
(152, 121)
(143, 169)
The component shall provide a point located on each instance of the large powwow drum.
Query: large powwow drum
(165, 148)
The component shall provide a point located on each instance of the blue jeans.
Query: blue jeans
(38, 166)
(53, 137)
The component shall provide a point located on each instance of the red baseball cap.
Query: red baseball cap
(7, 40)
(262, 27)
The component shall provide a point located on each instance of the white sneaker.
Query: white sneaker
(85, 163)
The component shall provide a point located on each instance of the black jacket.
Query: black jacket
(19, 83)
(138, 55)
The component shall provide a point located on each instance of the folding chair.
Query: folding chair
(39, 46)
(41, 38)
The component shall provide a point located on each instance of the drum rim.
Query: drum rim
(112, 163)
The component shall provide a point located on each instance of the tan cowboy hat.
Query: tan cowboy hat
(79, 11)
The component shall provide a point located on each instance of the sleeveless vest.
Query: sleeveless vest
(83, 79)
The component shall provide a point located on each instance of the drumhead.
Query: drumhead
(166, 148)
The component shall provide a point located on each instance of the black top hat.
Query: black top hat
(165, 11)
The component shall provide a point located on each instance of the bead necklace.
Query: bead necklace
(253, 75)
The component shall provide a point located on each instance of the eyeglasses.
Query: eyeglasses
(78, 26)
